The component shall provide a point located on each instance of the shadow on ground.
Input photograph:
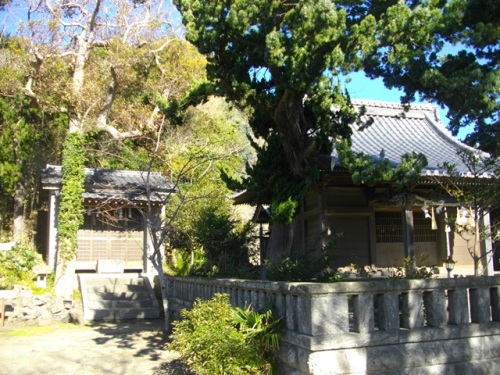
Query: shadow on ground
(127, 334)
(129, 347)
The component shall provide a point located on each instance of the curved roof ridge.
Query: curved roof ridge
(447, 136)
(396, 131)
(392, 105)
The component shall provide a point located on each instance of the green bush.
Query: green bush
(210, 242)
(409, 270)
(224, 241)
(311, 266)
(183, 262)
(216, 338)
(16, 266)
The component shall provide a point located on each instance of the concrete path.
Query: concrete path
(112, 349)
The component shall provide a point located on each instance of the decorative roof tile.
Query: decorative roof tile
(396, 131)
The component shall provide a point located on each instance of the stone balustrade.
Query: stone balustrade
(374, 326)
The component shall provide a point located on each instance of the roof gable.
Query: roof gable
(114, 184)
(395, 132)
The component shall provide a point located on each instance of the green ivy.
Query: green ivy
(71, 207)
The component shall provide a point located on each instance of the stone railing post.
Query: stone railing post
(458, 306)
(319, 315)
(363, 313)
(388, 311)
(412, 310)
(480, 305)
(435, 307)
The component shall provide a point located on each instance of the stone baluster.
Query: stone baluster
(480, 305)
(190, 291)
(495, 304)
(280, 305)
(363, 313)
(254, 299)
(262, 299)
(412, 312)
(207, 293)
(458, 306)
(241, 298)
(388, 311)
(199, 292)
(291, 312)
(247, 298)
(435, 307)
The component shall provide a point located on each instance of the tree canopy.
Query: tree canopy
(286, 60)
(105, 68)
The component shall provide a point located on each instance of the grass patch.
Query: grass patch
(38, 330)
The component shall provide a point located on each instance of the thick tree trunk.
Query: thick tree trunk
(280, 242)
(288, 120)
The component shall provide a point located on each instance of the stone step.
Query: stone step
(109, 296)
(121, 314)
(120, 304)
(106, 280)
(116, 289)
(117, 297)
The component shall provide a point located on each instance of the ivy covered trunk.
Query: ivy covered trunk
(71, 207)
(280, 242)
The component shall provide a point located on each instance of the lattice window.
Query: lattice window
(389, 227)
(116, 234)
(423, 228)
(124, 219)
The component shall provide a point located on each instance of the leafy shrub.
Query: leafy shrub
(408, 271)
(225, 242)
(308, 267)
(216, 338)
(220, 244)
(182, 262)
(16, 266)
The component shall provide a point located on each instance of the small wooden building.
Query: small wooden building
(114, 228)
(371, 221)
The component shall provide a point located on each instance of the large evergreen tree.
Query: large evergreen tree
(283, 59)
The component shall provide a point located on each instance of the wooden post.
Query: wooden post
(408, 227)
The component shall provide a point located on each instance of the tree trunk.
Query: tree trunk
(287, 118)
(280, 242)
(19, 222)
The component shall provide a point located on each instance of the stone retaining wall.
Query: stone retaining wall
(23, 308)
(388, 326)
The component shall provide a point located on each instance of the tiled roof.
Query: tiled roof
(395, 132)
(114, 184)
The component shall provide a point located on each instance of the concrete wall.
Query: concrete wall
(386, 326)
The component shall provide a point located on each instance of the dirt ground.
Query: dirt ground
(135, 347)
